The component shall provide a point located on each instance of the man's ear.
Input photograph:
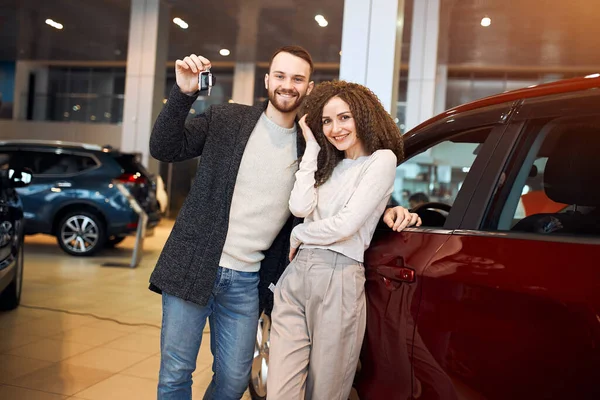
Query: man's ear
(267, 81)
(311, 86)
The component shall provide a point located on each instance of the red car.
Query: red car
(497, 295)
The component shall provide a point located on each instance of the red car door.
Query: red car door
(393, 287)
(512, 308)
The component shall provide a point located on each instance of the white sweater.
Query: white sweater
(342, 214)
(262, 190)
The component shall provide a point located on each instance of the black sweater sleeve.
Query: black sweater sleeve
(173, 139)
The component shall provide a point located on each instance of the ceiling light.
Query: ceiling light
(181, 23)
(321, 20)
(224, 52)
(486, 21)
(54, 24)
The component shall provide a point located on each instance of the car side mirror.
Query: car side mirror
(19, 177)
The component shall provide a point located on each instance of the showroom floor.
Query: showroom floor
(51, 355)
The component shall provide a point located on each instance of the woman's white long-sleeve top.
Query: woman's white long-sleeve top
(342, 214)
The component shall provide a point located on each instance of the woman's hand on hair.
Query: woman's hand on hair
(399, 218)
(306, 132)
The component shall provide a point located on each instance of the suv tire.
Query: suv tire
(81, 233)
(257, 385)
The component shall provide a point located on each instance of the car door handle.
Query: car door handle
(62, 184)
(396, 274)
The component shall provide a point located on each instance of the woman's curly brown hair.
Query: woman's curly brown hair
(375, 128)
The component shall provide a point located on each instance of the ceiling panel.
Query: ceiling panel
(525, 33)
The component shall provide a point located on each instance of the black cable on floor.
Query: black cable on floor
(88, 315)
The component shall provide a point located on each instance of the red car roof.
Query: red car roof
(563, 86)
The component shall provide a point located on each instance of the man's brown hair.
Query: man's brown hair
(297, 51)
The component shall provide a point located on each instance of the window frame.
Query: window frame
(496, 117)
(555, 109)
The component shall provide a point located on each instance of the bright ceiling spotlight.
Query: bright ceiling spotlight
(321, 21)
(181, 23)
(54, 24)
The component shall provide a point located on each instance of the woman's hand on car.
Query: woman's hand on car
(398, 218)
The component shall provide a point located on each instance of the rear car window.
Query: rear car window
(131, 164)
(53, 163)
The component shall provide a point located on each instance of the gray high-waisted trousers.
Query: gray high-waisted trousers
(318, 325)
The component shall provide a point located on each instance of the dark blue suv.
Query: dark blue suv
(82, 194)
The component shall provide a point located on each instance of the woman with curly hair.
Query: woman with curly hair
(342, 187)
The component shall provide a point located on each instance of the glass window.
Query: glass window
(436, 176)
(131, 163)
(552, 185)
(50, 163)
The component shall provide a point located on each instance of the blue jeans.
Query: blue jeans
(233, 316)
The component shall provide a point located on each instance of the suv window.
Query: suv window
(51, 163)
(131, 164)
(551, 185)
(437, 175)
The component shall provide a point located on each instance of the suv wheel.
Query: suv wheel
(11, 296)
(81, 233)
(260, 365)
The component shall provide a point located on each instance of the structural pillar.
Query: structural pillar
(443, 56)
(245, 52)
(22, 71)
(145, 77)
(25, 95)
(40, 100)
(371, 43)
(243, 83)
(423, 63)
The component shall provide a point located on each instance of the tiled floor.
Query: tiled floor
(51, 355)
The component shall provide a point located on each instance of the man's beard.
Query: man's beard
(285, 107)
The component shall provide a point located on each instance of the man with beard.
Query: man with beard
(231, 237)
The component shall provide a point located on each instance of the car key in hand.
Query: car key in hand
(206, 81)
